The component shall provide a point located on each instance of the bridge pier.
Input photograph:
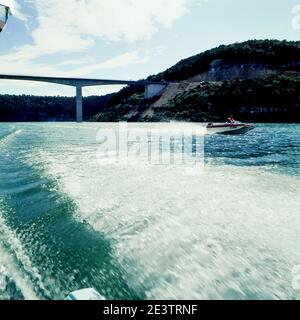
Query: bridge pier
(79, 114)
(152, 88)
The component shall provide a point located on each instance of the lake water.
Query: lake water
(72, 218)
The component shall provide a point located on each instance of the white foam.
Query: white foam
(9, 137)
(231, 233)
(9, 264)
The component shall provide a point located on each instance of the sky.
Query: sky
(128, 39)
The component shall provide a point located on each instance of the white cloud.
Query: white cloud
(73, 26)
(130, 20)
(126, 59)
(69, 26)
(16, 64)
(72, 62)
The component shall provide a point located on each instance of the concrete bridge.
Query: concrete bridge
(152, 89)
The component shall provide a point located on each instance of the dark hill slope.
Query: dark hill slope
(257, 80)
(272, 54)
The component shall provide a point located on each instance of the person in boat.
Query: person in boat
(231, 120)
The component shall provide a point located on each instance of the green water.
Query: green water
(141, 231)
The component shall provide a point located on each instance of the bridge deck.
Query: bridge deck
(83, 82)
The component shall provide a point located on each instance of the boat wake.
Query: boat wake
(138, 231)
(16, 270)
(6, 138)
(217, 236)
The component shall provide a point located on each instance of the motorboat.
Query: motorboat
(235, 127)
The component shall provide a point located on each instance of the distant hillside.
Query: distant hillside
(267, 54)
(267, 100)
(33, 108)
(257, 80)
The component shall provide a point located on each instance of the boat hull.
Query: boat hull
(230, 129)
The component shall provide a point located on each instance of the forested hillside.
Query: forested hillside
(257, 80)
